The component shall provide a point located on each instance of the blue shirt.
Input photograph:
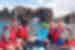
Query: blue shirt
(40, 31)
(42, 34)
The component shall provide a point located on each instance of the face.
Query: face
(61, 24)
(24, 21)
(7, 27)
(52, 24)
(13, 23)
(36, 20)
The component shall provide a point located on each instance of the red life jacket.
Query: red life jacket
(8, 34)
(23, 32)
(3, 45)
(72, 43)
(11, 34)
(54, 34)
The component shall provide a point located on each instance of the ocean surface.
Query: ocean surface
(2, 24)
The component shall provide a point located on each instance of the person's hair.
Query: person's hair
(52, 21)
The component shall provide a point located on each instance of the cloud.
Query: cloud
(63, 7)
(66, 4)
(23, 2)
(58, 6)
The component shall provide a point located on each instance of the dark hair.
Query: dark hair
(24, 22)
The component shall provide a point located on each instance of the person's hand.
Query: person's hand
(10, 47)
(32, 38)
(46, 41)
(1, 48)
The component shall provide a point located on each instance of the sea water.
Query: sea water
(2, 24)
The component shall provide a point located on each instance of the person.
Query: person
(23, 28)
(52, 32)
(63, 35)
(52, 35)
(9, 32)
(23, 35)
(23, 32)
(36, 31)
(5, 36)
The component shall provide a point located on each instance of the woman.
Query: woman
(52, 32)
(63, 35)
(10, 33)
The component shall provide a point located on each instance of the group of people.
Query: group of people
(19, 37)
(62, 35)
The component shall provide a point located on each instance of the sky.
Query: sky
(59, 6)
(33, 3)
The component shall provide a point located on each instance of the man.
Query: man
(38, 32)
(52, 36)
(23, 31)
(13, 30)
(23, 28)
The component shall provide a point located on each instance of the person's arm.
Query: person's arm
(10, 47)
(49, 35)
(19, 44)
(70, 34)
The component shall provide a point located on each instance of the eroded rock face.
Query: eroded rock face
(70, 18)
